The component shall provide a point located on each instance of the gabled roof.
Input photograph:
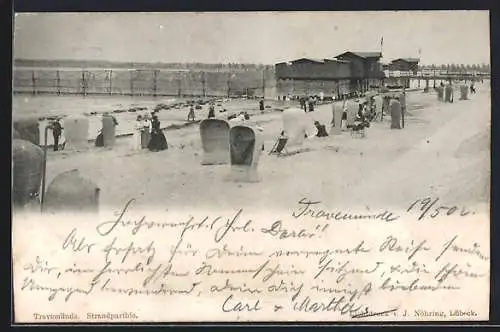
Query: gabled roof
(337, 60)
(310, 60)
(364, 55)
(410, 60)
(313, 60)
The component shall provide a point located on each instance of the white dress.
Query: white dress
(136, 140)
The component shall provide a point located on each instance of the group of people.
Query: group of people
(307, 104)
(367, 110)
(192, 116)
(148, 134)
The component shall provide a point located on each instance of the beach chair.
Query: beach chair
(279, 146)
(358, 129)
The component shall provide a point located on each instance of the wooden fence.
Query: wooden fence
(138, 82)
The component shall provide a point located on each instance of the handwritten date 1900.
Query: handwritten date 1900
(429, 207)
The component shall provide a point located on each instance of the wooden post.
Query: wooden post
(44, 168)
(155, 80)
(33, 82)
(264, 84)
(110, 82)
(203, 81)
(179, 86)
(131, 82)
(228, 85)
(58, 83)
(84, 84)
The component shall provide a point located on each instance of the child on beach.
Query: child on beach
(191, 116)
(211, 112)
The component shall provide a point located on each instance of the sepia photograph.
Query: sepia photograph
(251, 166)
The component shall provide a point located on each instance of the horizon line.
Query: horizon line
(14, 60)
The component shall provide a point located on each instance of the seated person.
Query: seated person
(321, 129)
(361, 112)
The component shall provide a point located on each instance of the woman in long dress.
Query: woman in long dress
(136, 140)
(146, 132)
(158, 141)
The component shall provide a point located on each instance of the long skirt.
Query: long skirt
(158, 142)
(396, 113)
(145, 138)
(136, 140)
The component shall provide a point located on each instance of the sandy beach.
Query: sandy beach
(443, 147)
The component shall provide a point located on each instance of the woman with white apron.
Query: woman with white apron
(145, 132)
(136, 139)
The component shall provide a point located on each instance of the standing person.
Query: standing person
(137, 138)
(395, 109)
(211, 111)
(451, 92)
(402, 100)
(472, 88)
(56, 133)
(261, 104)
(311, 104)
(343, 122)
(145, 132)
(191, 116)
(158, 141)
(361, 111)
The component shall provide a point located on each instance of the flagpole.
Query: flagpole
(382, 57)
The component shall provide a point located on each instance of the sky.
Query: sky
(444, 37)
